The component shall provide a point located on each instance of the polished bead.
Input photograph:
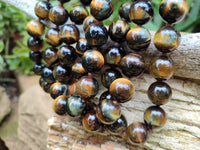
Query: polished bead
(90, 122)
(62, 73)
(67, 55)
(124, 11)
(141, 12)
(35, 44)
(69, 34)
(35, 56)
(58, 89)
(118, 30)
(86, 2)
(81, 46)
(50, 55)
(106, 95)
(92, 60)
(159, 93)
(173, 11)
(118, 127)
(108, 76)
(72, 89)
(63, 1)
(35, 28)
(137, 132)
(87, 87)
(78, 14)
(37, 68)
(75, 106)
(101, 9)
(89, 21)
(96, 35)
(42, 9)
(132, 65)
(78, 70)
(155, 116)
(52, 37)
(108, 111)
(60, 105)
(138, 38)
(167, 39)
(161, 68)
(58, 15)
(47, 75)
(45, 85)
(123, 89)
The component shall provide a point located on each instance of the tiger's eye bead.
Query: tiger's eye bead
(45, 85)
(35, 28)
(52, 37)
(35, 44)
(132, 65)
(141, 12)
(92, 60)
(89, 21)
(167, 39)
(35, 56)
(161, 68)
(118, 127)
(67, 55)
(72, 89)
(50, 55)
(58, 89)
(87, 87)
(173, 11)
(78, 70)
(114, 54)
(69, 34)
(58, 15)
(62, 73)
(137, 132)
(124, 11)
(123, 89)
(108, 76)
(138, 38)
(159, 93)
(106, 95)
(81, 46)
(118, 30)
(86, 2)
(42, 9)
(47, 75)
(75, 106)
(155, 116)
(90, 122)
(37, 68)
(60, 105)
(78, 14)
(101, 9)
(96, 35)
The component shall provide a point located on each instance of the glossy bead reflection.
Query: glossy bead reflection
(106, 95)
(124, 11)
(45, 85)
(37, 68)
(81, 46)
(159, 93)
(35, 44)
(155, 116)
(35, 56)
(58, 89)
(35, 28)
(59, 105)
(123, 89)
(50, 55)
(47, 75)
(89, 21)
(78, 14)
(62, 73)
(52, 37)
(167, 39)
(90, 122)
(78, 70)
(42, 9)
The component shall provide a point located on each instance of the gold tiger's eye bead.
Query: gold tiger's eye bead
(42, 9)
(78, 70)
(50, 55)
(60, 105)
(89, 21)
(58, 89)
(90, 122)
(35, 44)
(35, 28)
(52, 37)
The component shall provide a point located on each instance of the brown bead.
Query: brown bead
(35, 28)
(88, 21)
(59, 105)
(90, 122)
(35, 44)
(52, 37)
(72, 89)
(58, 89)
(78, 70)
(50, 55)
(42, 9)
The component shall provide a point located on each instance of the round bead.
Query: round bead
(50, 55)
(52, 37)
(42, 9)
(159, 93)
(108, 76)
(78, 14)
(89, 21)
(90, 122)
(47, 75)
(37, 68)
(124, 11)
(35, 28)
(69, 34)
(108, 111)
(161, 68)
(106, 95)
(45, 85)
(155, 116)
(35, 44)
(173, 11)
(118, 30)
(72, 89)
(132, 65)
(92, 60)
(137, 132)
(62, 73)
(138, 38)
(87, 87)
(167, 39)
(35, 56)
(75, 106)
(78, 70)
(123, 89)
(86, 2)
(58, 15)
(101, 9)
(96, 35)
(67, 55)
(81, 46)
(141, 12)
(60, 105)
(118, 127)
(58, 89)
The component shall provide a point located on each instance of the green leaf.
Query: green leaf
(1, 46)
(13, 63)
